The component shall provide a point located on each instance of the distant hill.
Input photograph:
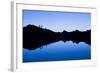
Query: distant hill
(35, 36)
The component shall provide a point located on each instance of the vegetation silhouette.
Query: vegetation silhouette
(36, 36)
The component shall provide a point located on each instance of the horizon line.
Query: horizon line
(58, 31)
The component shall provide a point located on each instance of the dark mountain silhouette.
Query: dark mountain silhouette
(35, 37)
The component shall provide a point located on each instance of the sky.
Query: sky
(57, 21)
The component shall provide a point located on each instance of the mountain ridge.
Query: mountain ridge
(34, 36)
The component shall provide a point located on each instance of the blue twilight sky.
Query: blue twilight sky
(58, 21)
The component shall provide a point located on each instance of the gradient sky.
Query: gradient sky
(58, 21)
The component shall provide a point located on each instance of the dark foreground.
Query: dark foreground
(35, 37)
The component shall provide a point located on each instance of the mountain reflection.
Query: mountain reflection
(36, 37)
(46, 43)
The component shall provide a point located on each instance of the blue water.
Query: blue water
(58, 51)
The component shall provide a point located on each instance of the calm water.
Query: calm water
(58, 51)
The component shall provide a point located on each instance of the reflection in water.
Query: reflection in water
(41, 44)
(35, 37)
(58, 51)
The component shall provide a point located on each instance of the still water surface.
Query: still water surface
(58, 51)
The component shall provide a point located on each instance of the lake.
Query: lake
(58, 51)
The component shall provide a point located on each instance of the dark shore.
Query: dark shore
(35, 37)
